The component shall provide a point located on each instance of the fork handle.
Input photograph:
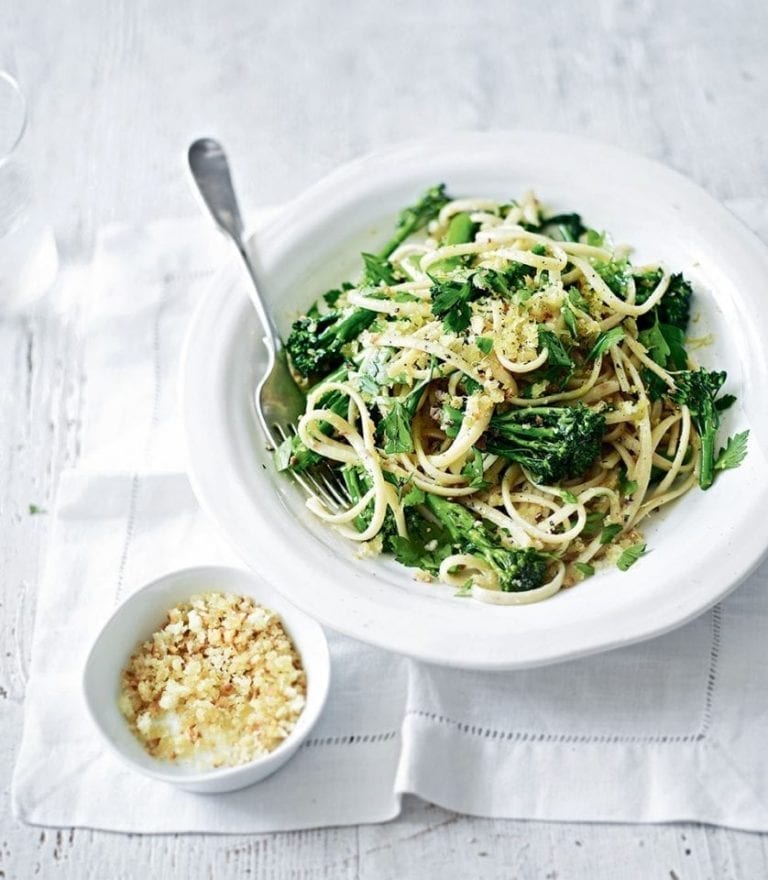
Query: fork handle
(210, 171)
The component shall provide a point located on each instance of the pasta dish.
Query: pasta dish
(502, 398)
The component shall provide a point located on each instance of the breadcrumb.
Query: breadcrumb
(218, 685)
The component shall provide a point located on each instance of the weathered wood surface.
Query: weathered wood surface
(117, 91)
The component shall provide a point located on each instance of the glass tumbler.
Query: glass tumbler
(28, 256)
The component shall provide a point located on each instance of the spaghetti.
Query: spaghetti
(499, 396)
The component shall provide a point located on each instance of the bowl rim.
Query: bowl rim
(643, 626)
(321, 671)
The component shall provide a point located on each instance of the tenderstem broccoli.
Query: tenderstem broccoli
(358, 481)
(674, 307)
(412, 218)
(518, 569)
(551, 443)
(698, 390)
(315, 342)
(292, 454)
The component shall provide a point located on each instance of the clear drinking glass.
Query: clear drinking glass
(28, 256)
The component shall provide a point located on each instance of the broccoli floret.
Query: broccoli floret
(551, 443)
(698, 390)
(674, 307)
(518, 569)
(615, 273)
(315, 343)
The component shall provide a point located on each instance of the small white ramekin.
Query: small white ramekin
(139, 616)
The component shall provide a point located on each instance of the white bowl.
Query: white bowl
(700, 548)
(139, 616)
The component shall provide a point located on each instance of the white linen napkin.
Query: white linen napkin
(672, 729)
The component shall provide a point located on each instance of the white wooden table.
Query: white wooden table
(119, 88)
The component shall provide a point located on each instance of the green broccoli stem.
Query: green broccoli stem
(517, 569)
(292, 454)
(315, 343)
(414, 217)
(348, 328)
(357, 484)
(460, 231)
(698, 390)
(707, 456)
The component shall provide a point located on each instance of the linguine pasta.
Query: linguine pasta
(498, 394)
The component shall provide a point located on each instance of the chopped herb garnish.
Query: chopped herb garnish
(569, 319)
(605, 341)
(594, 523)
(397, 424)
(450, 301)
(378, 270)
(733, 453)
(609, 532)
(725, 402)
(485, 344)
(630, 556)
(474, 469)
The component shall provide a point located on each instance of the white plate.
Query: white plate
(700, 549)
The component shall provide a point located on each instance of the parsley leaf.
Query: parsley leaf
(485, 344)
(630, 556)
(378, 269)
(576, 298)
(665, 344)
(283, 455)
(657, 346)
(605, 341)
(473, 469)
(733, 453)
(595, 238)
(568, 226)
(584, 568)
(570, 319)
(450, 301)
(331, 297)
(725, 402)
(557, 356)
(396, 426)
(450, 420)
(469, 385)
(609, 532)
(593, 524)
(626, 487)
(426, 546)
(560, 361)
(509, 283)
(397, 423)
(413, 496)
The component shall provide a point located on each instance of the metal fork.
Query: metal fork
(279, 401)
